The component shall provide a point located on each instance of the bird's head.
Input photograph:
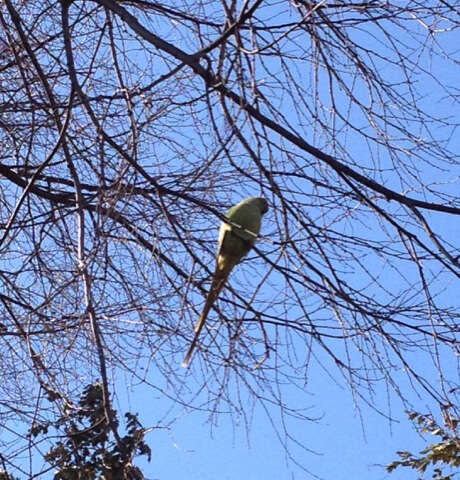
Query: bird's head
(261, 203)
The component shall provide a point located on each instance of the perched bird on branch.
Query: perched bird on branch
(237, 234)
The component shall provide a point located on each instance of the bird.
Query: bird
(237, 235)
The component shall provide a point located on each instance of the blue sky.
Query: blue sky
(345, 442)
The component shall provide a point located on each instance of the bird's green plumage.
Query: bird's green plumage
(237, 235)
(244, 225)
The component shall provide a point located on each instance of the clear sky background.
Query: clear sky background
(345, 442)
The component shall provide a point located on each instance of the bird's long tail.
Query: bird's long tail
(218, 282)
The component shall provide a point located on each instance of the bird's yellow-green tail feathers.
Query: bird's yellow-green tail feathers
(218, 282)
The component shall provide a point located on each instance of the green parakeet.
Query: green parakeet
(235, 240)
